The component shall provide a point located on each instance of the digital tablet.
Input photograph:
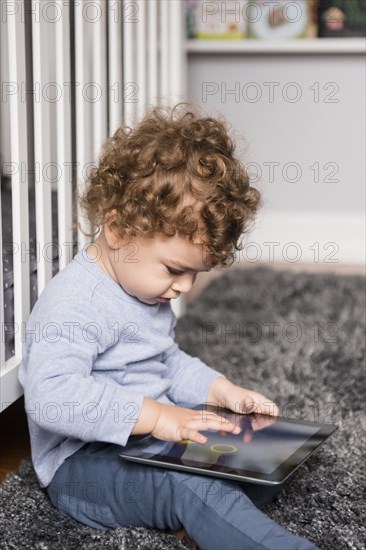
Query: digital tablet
(267, 451)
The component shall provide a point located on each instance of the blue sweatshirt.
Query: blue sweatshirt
(91, 353)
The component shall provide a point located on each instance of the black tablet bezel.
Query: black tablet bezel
(277, 477)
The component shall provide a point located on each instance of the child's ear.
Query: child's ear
(113, 240)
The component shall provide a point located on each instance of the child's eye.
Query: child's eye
(174, 271)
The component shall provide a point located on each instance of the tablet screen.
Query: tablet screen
(267, 449)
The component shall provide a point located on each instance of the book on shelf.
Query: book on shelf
(278, 19)
(216, 20)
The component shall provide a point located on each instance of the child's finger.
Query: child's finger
(249, 406)
(260, 406)
(270, 408)
(220, 425)
(215, 417)
(247, 437)
(192, 435)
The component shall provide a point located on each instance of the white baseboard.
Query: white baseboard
(10, 388)
(311, 238)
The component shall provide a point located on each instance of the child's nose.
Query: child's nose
(184, 283)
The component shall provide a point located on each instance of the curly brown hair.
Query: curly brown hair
(175, 172)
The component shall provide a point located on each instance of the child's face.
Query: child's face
(151, 269)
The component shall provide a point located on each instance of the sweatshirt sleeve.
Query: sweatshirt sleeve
(61, 394)
(191, 378)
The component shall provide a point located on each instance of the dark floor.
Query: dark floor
(14, 438)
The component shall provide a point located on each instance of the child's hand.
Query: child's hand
(240, 400)
(248, 401)
(177, 423)
(249, 424)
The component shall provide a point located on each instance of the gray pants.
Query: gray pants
(99, 489)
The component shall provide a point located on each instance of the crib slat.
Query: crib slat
(97, 30)
(99, 107)
(152, 52)
(165, 6)
(9, 385)
(4, 44)
(176, 74)
(42, 152)
(83, 110)
(115, 84)
(19, 156)
(141, 57)
(130, 90)
(63, 134)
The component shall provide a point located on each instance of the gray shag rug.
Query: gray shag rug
(299, 339)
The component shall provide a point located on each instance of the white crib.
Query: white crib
(72, 71)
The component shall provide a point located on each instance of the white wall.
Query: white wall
(311, 132)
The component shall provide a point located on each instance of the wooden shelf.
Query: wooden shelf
(293, 46)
